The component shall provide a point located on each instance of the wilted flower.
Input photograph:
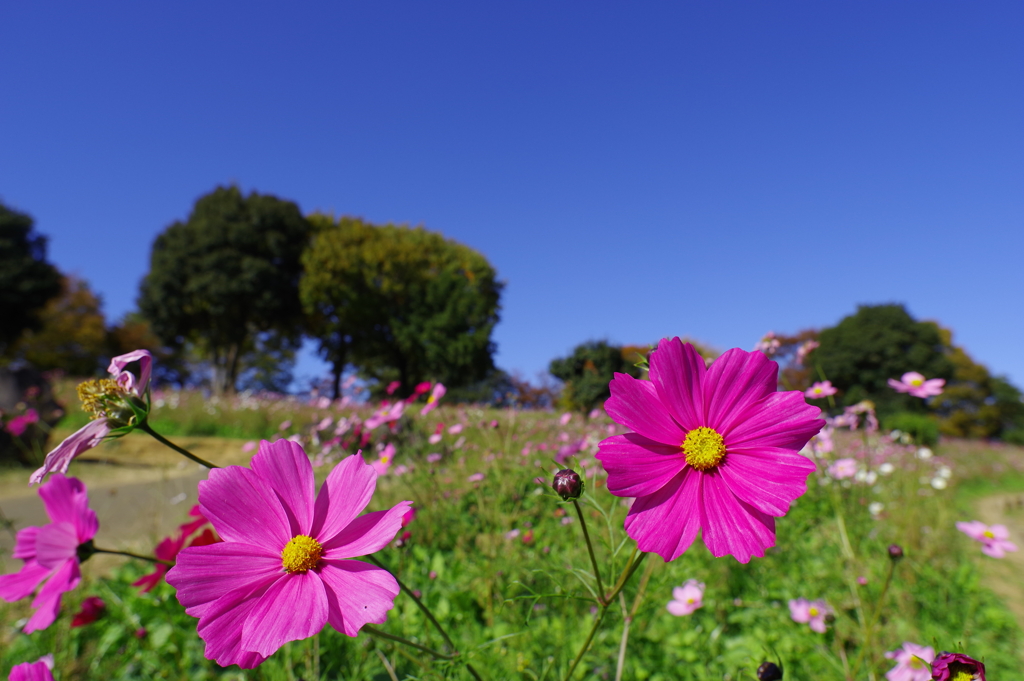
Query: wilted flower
(92, 608)
(915, 384)
(995, 539)
(957, 667)
(52, 553)
(713, 450)
(686, 598)
(808, 612)
(820, 390)
(913, 663)
(285, 567)
(843, 468)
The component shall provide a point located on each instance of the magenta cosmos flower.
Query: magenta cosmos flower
(33, 671)
(957, 667)
(284, 567)
(686, 598)
(917, 385)
(995, 539)
(713, 450)
(101, 398)
(812, 613)
(53, 552)
(433, 399)
(913, 663)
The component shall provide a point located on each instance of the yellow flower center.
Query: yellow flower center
(813, 612)
(431, 399)
(917, 382)
(917, 663)
(301, 554)
(960, 672)
(704, 448)
(95, 393)
(989, 534)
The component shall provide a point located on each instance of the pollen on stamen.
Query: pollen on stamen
(301, 554)
(94, 394)
(704, 448)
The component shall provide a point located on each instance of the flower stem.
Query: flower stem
(398, 639)
(590, 549)
(151, 559)
(586, 644)
(626, 574)
(870, 630)
(144, 426)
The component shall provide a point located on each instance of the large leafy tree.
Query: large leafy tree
(229, 272)
(877, 343)
(27, 280)
(587, 372)
(73, 334)
(400, 303)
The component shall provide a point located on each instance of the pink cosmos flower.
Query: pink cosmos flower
(51, 552)
(957, 666)
(843, 468)
(386, 414)
(19, 424)
(456, 429)
(92, 608)
(434, 439)
(285, 567)
(433, 458)
(33, 671)
(769, 344)
(170, 547)
(805, 349)
(409, 516)
(686, 598)
(387, 456)
(476, 477)
(820, 389)
(916, 385)
(393, 386)
(913, 663)
(713, 450)
(995, 539)
(436, 394)
(822, 443)
(813, 613)
(565, 418)
(92, 433)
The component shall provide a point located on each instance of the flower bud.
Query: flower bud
(769, 671)
(957, 666)
(895, 552)
(567, 484)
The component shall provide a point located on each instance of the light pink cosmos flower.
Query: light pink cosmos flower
(51, 552)
(386, 414)
(820, 389)
(686, 598)
(476, 477)
(435, 395)
(92, 433)
(822, 443)
(808, 612)
(843, 468)
(433, 458)
(995, 539)
(916, 385)
(565, 418)
(913, 663)
(33, 671)
(456, 429)
(387, 457)
(805, 349)
(284, 569)
(713, 450)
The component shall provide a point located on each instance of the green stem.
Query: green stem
(586, 644)
(870, 631)
(625, 578)
(398, 639)
(590, 549)
(145, 427)
(151, 559)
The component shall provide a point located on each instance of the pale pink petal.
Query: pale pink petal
(993, 550)
(680, 608)
(242, 508)
(18, 585)
(974, 529)
(800, 610)
(286, 469)
(84, 439)
(635, 404)
(999, 532)
(731, 527)
(735, 382)
(780, 420)
(367, 533)
(677, 372)
(343, 496)
(357, 593)
(203, 574)
(25, 543)
(910, 377)
(145, 360)
(768, 479)
(638, 466)
(221, 628)
(818, 624)
(55, 544)
(47, 601)
(666, 522)
(898, 387)
(293, 608)
(31, 671)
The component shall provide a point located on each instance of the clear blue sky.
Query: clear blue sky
(633, 170)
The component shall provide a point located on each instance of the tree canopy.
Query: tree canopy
(227, 273)
(400, 303)
(73, 333)
(27, 280)
(588, 370)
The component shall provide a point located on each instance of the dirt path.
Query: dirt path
(1006, 577)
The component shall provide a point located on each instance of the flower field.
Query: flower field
(879, 565)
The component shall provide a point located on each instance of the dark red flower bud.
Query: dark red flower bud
(769, 671)
(567, 484)
(895, 552)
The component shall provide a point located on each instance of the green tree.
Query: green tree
(229, 272)
(877, 343)
(27, 280)
(73, 334)
(588, 370)
(400, 303)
